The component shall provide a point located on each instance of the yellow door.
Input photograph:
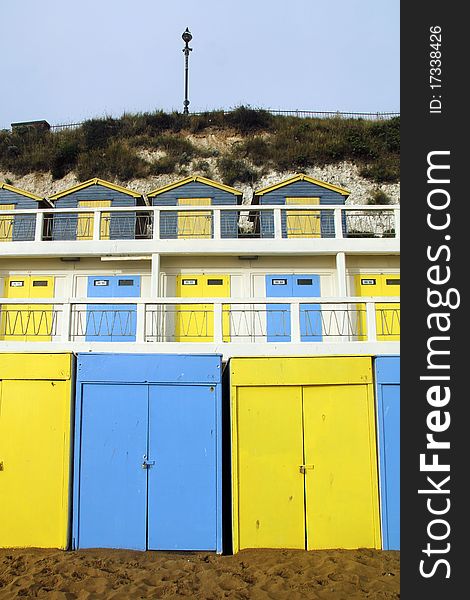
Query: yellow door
(34, 461)
(86, 220)
(27, 322)
(194, 224)
(270, 489)
(340, 467)
(387, 315)
(303, 223)
(6, 223)
(195, 322)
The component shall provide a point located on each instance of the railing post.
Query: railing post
(295, 322)
(218, 337)
(140, 324)
(277, 224)
(39, 227)
(341, 273)
(96, 224)
(156, 224)
(65, 335)
(371, 322)
(217, 223)
(396, 214)
(338, 223)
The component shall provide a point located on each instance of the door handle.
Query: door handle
(303, 468)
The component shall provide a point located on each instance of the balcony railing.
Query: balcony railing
(194, 223)
(202, 320)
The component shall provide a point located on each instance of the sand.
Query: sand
(257, 574)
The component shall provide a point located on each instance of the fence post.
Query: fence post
(396, 214)
(295, 322)
(338, 223)
(218, 337)
(371, 322)
(96, 224)
(156, 224)
(66, 322)
(277, 224)
(38, 227)
(216, 223)
(140, 324)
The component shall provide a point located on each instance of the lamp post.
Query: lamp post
(187, 37)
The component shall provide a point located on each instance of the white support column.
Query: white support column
(295, 322)
(338, 223)
(66, 322)
(396, 213)
(96, 224)
(39, 227)
(218, 338)
(277, 224)
(140, 324)
(341, 282)
(155, 276)
(156, 224)
(216, 212)
(371, 322)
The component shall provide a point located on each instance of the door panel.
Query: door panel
(303, 223)
(269, 452)
(182, 499)
(278, 315)
(194, 224)
(310, 314)
(35, 455)
(6, 223)
(387, 315)
(389, 445)
(85, 221)
(113, 484)
(341, 475)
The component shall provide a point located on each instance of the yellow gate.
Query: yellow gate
(195, 322)
(27, 322)
(303, 223)
(387, 315)
(86, 220)
(35, 398)
(194, 224)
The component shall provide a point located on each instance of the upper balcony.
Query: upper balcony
(182, 230)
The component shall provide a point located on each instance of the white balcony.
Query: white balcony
(220, 230)
(250, 326)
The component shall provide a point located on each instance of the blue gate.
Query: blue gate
(148, 452)
(278, 315)
(112, 322)
(387, 370)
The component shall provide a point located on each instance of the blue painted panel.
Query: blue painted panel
(310, 314)
(152, 368)
(388, 416)
(111, 497)
(182, 493)
(117, 321)
(278, 315)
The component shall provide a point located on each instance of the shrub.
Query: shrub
(116, 161)
(235, 170)
(379, 197)
(247, 120)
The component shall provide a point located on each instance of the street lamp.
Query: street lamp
(187, 37)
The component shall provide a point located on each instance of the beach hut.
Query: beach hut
(18, 228)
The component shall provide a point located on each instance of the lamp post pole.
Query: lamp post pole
(187, 37)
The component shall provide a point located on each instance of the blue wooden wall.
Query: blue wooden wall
(23, 225)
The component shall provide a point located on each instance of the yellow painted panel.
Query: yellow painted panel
(194, 224)
(6, 223)
(342, 509)
(195, 322)
(306, 223)
(35, 366)
(35, 457)
(15, 317)
(387, 315)
(270, 490)
(86, 220)
(306, 370)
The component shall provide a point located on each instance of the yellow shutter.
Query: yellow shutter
(6, 223)
(194, 224)
(85, 220)
(303, 223)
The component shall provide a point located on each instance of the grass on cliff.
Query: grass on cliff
(115, 148)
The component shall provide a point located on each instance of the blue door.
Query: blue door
(182, 494)
(112, 322)
(112, 498)
(278, 315)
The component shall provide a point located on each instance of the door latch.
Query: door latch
(1, 465)
(146, 464)
(303, 468)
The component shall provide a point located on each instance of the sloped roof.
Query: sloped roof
(95, 181)
(198, 178)
(11, 188)
(302, 177)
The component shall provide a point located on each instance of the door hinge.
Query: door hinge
(304, 468)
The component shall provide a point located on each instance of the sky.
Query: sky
(68, 60)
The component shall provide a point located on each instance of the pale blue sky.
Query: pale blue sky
(66, 60)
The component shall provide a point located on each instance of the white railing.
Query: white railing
(202, 320)
(195, 223)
